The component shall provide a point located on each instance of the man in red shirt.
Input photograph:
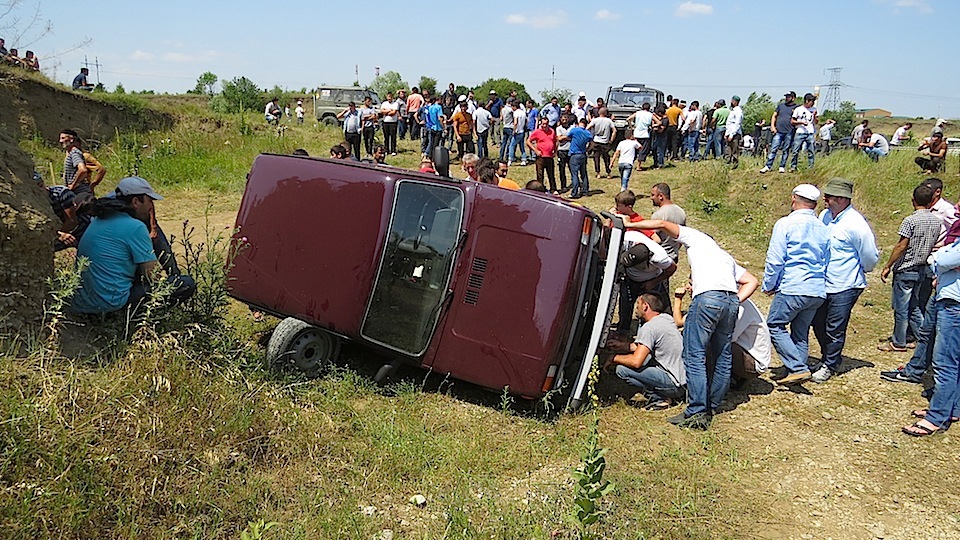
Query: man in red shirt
(543, 143)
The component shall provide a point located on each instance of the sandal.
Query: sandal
(918, 430)
(922, 413)
(890, 347)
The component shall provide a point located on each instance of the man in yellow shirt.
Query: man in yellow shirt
(463, 128)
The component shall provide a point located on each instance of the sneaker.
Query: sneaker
(523, 163)
(765, 169)
(782, 170)
(699, 421)
(795, 378)
(778, 373)
(897, 376)
(822, 375)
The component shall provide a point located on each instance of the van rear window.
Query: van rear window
(415, 268)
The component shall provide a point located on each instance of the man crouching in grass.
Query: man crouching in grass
(123, 263)
(655, 362)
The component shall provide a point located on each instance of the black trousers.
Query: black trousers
(353, 139)
(563, 158)
(390, 137)
(368, 139)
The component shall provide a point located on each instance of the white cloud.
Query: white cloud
(691, 9)
(541, 20)
(606, 15)
(140, 55)
(923, 6)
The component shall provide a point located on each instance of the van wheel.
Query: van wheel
(330, 121)
(307, 347)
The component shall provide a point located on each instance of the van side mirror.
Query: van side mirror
(441, 161)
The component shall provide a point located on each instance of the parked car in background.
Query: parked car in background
(510, 290)
(328, 101)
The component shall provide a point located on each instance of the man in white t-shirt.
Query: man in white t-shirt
(519, 134)
(874, 145)
(804, 120)
(482, 120)
(707, 342)
(901, 134)
(624, 155)
(733, 132)
(692, 124)
(826, 134)
(390, 112)
(604, 133)
(299, 112)
(641, 130)
(507, 145)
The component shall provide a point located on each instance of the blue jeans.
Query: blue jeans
(435, 137)
(654, 381)
(659, 149)
(626, 169)
(782, 142)
(797, 311)
(923, 354)
(799, 140)
(482, 150)
(693, 145)
(830, 325)
(874, 153)
(579, 181)
(709, 327)
(718, 139)
(516, 141)
(905, 300)
(505, 142)
(946, 364)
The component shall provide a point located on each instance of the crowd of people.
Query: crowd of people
(28, 61)
(815, 271)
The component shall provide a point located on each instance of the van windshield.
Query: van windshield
(415, 268)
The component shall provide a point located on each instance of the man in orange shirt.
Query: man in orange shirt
(673, 115)
(463, 128)
(414, 102)
(501, 174)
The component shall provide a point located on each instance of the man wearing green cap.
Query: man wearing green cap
(853, 253)
(734, 132)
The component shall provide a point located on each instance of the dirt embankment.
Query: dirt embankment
(27, 224)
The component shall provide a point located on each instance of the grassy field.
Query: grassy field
(180, 432)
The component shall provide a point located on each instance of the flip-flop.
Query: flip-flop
(658, 405)
(890, 347)
(922, 413)
(916, 430)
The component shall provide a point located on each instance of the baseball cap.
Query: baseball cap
(838, 187)
(809, 97)
(790, 94)
(582, 94)
(807, 191)
(735, 98)
(134, 185)
(941, 121)
(461, 99)
(493, 92)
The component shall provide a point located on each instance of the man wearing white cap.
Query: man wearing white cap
(795, 272)
(938, 127)
(123, 263)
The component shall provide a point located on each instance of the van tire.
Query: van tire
(303, 345)
(330, 120)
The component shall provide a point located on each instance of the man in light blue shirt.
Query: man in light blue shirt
(796, 271)
(945, 403)
(853, 253)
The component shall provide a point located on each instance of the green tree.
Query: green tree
(756, 107)
(119, 89)
(206, 84)
(391, 81)
(238, 93)
(565, 95)
(427, 83)
(844, 116)
(503, 88)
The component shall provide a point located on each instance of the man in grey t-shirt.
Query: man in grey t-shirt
(655, 362)
(667, 210)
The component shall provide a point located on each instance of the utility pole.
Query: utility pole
(356, 74)
(831, 99)
(96, 64)
(553, 75)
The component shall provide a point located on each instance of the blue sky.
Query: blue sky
(895, 54)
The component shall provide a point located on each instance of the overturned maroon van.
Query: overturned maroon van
(505, 289)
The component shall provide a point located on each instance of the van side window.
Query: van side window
(415, 268)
